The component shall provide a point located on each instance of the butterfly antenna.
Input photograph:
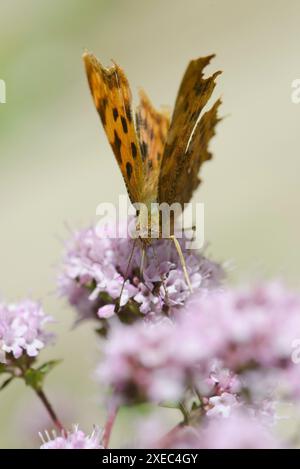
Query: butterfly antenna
(182, 261)
(117, 307)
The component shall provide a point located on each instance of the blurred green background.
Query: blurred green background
(56, 165)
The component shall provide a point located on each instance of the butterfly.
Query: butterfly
(159, 157)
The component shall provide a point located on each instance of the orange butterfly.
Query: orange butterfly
(159, 157)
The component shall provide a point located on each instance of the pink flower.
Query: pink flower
(221, 344)
(159, 361)
(22, 329)
(106, 311)
(253, 329)
(222, 379)
(221, 405)
(139, 362)
(95, 265)
(73, 440)
(239, 431)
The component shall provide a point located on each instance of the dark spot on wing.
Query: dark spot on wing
(124, 124)
(144, 149)
(133, 150)
(194, 116)
(115, 113)
(128, 170)
(117, 147)
(167, 151)
(102, 109)
(198, 88)
(128, 113)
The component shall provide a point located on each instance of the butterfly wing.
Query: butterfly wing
(188, 137)
(198, 152)
(112, 98)
(152, 127)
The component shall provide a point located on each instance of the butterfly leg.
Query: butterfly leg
(117, 307)
(142, 265)
(161, 277)
(182, 261)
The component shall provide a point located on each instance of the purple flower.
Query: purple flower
(253, 329)
(222, 380)
(222, 405)
(22, 329)
(73, 440)
(159, 361)
(220, 343)
(139, 364)
(239, 431)
(95, 266)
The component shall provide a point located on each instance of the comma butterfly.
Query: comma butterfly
(159, 157)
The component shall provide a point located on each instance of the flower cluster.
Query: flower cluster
(157, 361)
(241, 431)
(254, 332)
(223, 356)
(251, 326)
(76, 439)
(231, 347)
(22, 330)
(97, 264)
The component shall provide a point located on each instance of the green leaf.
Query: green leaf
(169, 405)
(6, 382)
(34, 377)
(48, 366)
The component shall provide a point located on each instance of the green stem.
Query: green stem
(184, 412)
